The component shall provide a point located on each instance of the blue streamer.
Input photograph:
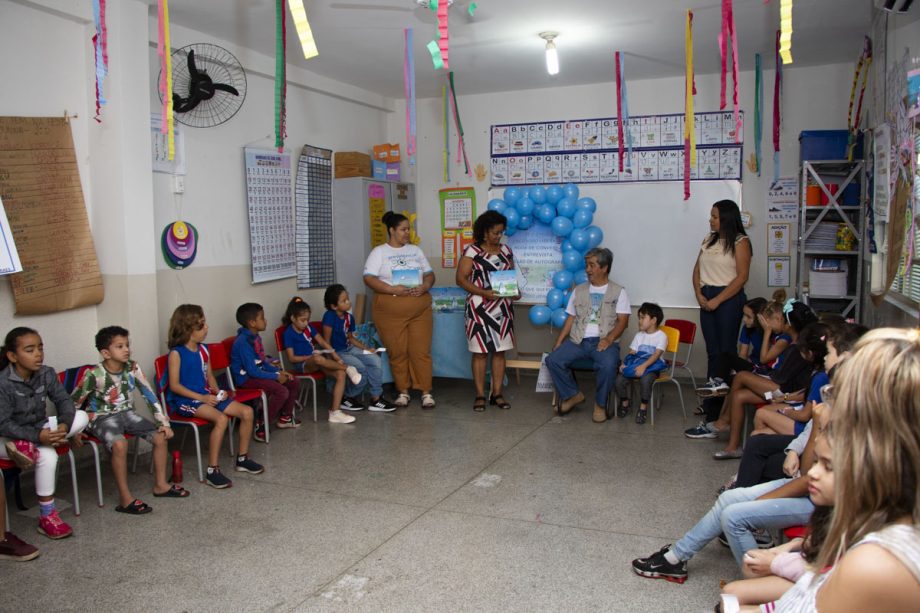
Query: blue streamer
(101, 68)
(758, 115)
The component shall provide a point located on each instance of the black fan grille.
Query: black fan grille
(223, 67)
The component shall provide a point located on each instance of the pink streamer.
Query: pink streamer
(161, 46)
(443, 43)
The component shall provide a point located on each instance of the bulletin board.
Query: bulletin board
(271, 215)
(315, 244)
(41, 192)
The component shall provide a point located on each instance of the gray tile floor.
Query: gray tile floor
(448, 510)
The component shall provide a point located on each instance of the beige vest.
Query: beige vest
(606, 317)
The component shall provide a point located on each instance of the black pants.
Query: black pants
(763, 459)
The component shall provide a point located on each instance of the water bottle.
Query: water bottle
(176, 467)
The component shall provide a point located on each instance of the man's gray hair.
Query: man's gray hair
(603, 256)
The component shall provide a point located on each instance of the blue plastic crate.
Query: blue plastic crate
(821, 145)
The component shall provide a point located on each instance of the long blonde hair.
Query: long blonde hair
(876, 439)
(187, 318)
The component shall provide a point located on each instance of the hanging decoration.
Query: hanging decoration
(853, 119)
(777, 109)
(725, 35)
(689, 92)
(445, 121)
(280, 75)
(101, 49)
(179, 244)
(443, 42)
(409, 88)
(461, 144)
(622, 113)
(758, 112)
(304, 32)
(785, 24)
(166, 85)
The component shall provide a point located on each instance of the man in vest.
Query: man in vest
(598, 312)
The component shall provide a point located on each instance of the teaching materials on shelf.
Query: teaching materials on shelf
(504, 283)
(587, 150)
(314, 243)
(271, 214)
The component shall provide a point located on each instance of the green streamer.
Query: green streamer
(280, 76)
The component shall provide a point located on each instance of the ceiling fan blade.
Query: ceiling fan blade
(226, 88)
(370, 7)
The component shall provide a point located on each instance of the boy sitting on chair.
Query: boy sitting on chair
(643, 361)
(107, 390)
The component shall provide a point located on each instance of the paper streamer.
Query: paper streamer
(853, 120)
(777, 109)
(445, 121)
(462, 144)
(304, 32)
(166, 89)
(409, 87)
(443, 42)
(620, 143)
(280, 75)
(435, 52)
(689, 90)
(785, 25)
(758, 111)
(101, 54)
(472, 9)
(629, 141)
(728, 33)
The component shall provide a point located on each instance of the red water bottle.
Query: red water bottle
(176, 467)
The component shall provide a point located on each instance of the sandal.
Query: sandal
(176, 491)
(427, 401)
(499, 401)
(479, 404)
(402, 401)
(135, 508)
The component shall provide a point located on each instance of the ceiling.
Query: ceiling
(498, 49)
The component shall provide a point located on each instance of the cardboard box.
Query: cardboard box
(827, 284)
(393, 172)
(379, 170)
(352, 164)
(387, 152)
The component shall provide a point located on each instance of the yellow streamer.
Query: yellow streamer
(689, 128)
(299, 15)
(170, 118)
(785, 26)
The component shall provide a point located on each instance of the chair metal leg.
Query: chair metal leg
(95, 449)
(230, 435)
(313, 384)
(198, 452)
(680, 394)
(73, 482)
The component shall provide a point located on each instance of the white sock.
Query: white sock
(671, 557)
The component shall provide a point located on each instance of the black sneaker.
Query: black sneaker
(245, 464)
(657, 567)
(381, 404)
(622, 411)
(216, 479)
(641, 416)
(351, 404)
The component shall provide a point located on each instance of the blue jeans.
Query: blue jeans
(368, 364)
(605, 362)
(737, 513)
(720, 327)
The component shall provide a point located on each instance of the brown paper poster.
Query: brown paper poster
(40, 187)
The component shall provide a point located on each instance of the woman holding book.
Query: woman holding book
(486, 272)
(400, 275)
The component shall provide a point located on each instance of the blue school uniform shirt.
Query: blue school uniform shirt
(818, 380)
(782, 336)
(193, 373)
(301, 343)
(248, 359)
(754, 338)
(341, 326)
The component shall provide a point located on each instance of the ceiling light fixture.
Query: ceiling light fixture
(552, 56)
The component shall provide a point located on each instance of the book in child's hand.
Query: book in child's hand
(373, 351)
(504, 283)
(408, 277)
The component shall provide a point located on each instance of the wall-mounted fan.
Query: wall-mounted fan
(209, 85)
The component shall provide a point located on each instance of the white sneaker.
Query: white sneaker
(713, 387)
(337, 417)
(353, 375)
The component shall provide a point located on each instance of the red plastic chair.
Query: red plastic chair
(220, 365)
(687, 330)
(175, 419)
(312, 377)
(8, 466)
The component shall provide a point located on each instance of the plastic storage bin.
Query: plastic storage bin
(819, 145)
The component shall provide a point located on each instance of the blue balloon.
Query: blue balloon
(562, 226)
(538, 194)
(525, 222)
(587, 203)
(570, 190)
(510, 230)
(562, 279)
(572, 260)
(512, 195)
(595, 236)
(525, 192)
(558, 317)
(512, 216)
(546, 213)
(554, 298)
(554, 194)
(565, 246)
(582, 218)
(579, 239)
(524, 206)
(566, 207)
(581, 277)
(497, 205)
(540, 315)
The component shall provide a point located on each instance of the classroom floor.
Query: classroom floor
(447, 510)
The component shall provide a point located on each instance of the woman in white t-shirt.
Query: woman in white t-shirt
(721, 270)
(400, 275)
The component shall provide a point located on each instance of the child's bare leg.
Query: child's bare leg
(338, 390)
(244, 414)
(120, 470)
(759, 590)
(739, 400)
(160, 454)
(773, 421)
(219, 421)
(326, 364)
(755, 383)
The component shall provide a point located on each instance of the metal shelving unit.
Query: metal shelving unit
(822, 174)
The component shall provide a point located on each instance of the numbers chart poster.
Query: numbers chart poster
(587, 151)
(271, 218)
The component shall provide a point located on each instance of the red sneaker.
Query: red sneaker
(23, 453)
(54, 527)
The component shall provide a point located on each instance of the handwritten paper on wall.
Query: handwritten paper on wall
(40, 187)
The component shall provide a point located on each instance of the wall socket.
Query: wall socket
(178, 184)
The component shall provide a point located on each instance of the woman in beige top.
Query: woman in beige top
(721, 271)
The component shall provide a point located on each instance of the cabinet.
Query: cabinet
(831, 238)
